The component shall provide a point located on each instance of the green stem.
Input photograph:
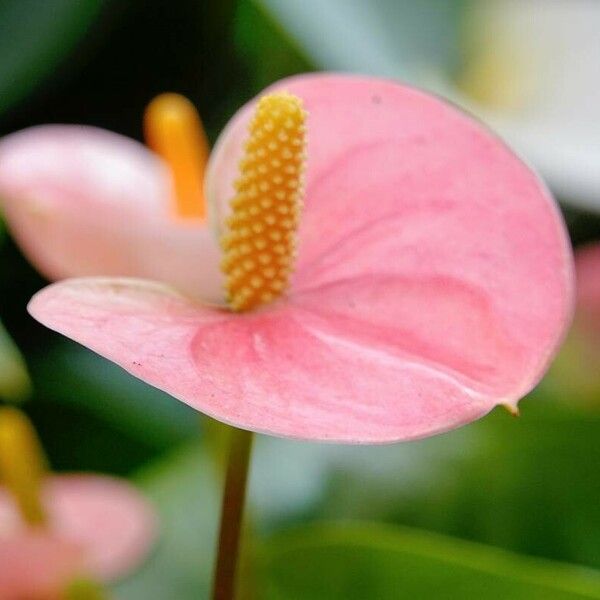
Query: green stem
(232, 512)
(216, 438)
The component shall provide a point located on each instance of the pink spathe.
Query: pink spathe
(84, 201)
(107, 520)
(434, 281)
(36, 565)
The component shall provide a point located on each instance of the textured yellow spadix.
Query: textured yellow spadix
(259, 243)
(22, 464)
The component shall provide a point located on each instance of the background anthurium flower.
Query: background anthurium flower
(576, 372)
(85, 201)
(107, 521)
(528, 68)
(532, 73)
(587, 265)
(37, 565)
(433, 282)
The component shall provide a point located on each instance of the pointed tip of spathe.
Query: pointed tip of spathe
(513, 409)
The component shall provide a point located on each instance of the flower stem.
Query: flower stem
(232, 512)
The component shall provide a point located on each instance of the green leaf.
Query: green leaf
(374, 561)
(185, 492)
(529, 485)
(268, 52)
(15, 384)
(185, 487)
(349, 561)
(526, 484)
(439, 485)
(76, 376)
(34, 37)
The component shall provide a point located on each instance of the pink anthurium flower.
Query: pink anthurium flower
(108, 520)
(71, 526)
(84, 201)
(433, 278)
(36, 565)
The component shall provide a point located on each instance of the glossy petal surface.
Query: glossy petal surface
(434, 281)
(83, 201)
(418, 217)
(106, 519)
(293, 369)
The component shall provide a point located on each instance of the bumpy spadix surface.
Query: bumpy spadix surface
(433, 281)
(106, 520)
(260, 240)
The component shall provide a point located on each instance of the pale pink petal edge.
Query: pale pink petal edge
(197, 354)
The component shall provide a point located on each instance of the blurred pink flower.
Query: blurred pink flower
(433, 282)
(36, 566)
(575, 375)
(587, 269)
(84, 201)
(98, 526)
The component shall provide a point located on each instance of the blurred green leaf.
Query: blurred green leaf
(373, 561)
(529, 484)
(84, 589)
(268, 51)
(73, 375)
(184, 489)
(15, 384)
(34, 37)
(488, 481)
(389, 38)
(323, 562)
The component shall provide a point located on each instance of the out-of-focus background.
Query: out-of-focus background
(529, 486)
